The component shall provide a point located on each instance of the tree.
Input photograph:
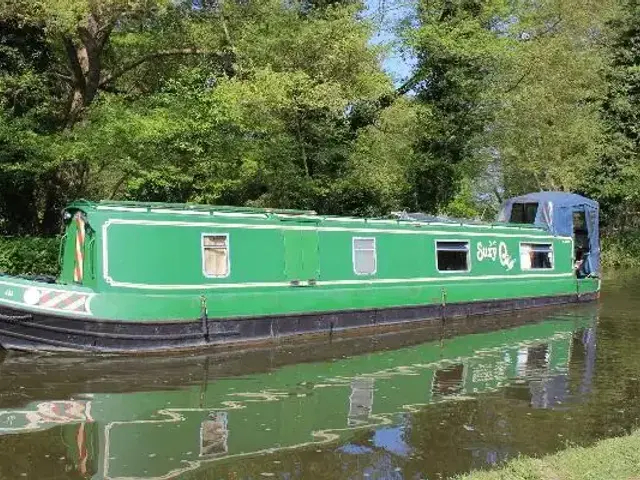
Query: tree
(225, 101)
(91, 60)
(617, 174)
(548, 132)
(462, 49)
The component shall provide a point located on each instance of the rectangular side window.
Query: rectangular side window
(536, 256)
(364, 256)
(452, 256)
(215, 253)
(524, 213)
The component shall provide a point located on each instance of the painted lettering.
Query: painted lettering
(494, 251)
(488, 252)
(505, 259)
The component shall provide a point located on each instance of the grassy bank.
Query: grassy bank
(612, 459)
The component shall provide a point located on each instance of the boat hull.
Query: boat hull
(21, 330)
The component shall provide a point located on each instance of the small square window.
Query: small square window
(452, 256)
(364, 256)
(524, 213)
(215, 252)
(536, 256)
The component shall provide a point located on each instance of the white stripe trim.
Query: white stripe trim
(343, 219)
(181, 212)
(373, 281)
(122, 209)
(442, 279)
(383, 221)
(292, 216)
(240, 215)
(169, 223)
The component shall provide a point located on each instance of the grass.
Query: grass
(611, 459)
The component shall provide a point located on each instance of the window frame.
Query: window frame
(204, 247)
(445, 240)
(532, 269)
(524, 212)
(375, 255)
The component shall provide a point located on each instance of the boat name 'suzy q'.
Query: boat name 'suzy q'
(148, 277)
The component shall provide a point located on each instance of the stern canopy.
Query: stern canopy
(561, 213)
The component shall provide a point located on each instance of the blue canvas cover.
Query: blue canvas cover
(555, 213)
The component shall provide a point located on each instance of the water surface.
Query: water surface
(430, 403)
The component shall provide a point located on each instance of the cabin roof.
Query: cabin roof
(275, 214)
(148, 206)
(558, 198)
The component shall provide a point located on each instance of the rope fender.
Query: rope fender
(15, 318)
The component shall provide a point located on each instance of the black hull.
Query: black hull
(44, 332)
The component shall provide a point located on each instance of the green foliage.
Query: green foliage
(29, 255)
(549, 131)
(278, 104)
(621, 251)
(617, 174)
(460, 54)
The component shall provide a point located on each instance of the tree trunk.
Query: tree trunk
(85, 65)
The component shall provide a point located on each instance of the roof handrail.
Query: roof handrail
(190, 206)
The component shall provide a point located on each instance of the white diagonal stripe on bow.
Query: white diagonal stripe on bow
(75, 305)
(57, 299)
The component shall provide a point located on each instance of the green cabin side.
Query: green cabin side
(275, 262)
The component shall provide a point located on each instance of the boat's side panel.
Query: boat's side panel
(159, 255)
(242, 302)
(138, 306)
(152, 269)
(44, 331)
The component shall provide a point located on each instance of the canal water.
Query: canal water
(430, 404)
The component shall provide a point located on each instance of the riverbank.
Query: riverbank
(611, 459)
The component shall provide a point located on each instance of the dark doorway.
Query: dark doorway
(580, 242)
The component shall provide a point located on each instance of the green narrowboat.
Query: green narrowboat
(140, 277)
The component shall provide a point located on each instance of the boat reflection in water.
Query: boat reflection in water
(162, 417)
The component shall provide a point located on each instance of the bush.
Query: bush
(29, 255)
(621, 251)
